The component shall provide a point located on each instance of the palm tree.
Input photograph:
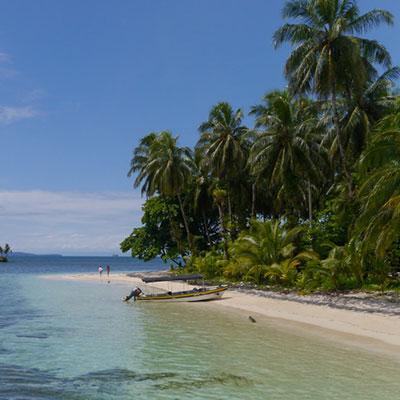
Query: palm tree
(360, 113)
(202, 186)
(380, 191)
(259, 252)
(7, 249)
(219, 196)
(328, 59)
(164, 168)
(392, 118)
(220, 141)
(171, 169)
(345, 260)
(141, 157)
(287, 152)
(140, 162)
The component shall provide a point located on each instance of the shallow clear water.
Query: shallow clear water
(78, 340)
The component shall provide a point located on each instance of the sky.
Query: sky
(81, 82)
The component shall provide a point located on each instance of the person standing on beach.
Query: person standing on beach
(108, 270)
(101, 271)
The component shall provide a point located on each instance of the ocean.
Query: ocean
(70, 339)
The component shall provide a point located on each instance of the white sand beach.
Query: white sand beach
(359, 319)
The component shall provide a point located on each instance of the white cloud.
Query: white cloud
(68, 222)
(5, 70)
(4, 58)
(9, 115)
(33, 96)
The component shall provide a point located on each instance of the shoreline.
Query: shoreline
(359, 319)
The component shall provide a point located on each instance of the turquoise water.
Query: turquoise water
(78, 340)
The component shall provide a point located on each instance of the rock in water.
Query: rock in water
(251, 319)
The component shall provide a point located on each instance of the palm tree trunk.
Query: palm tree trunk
(189, 235)
(173, 233)
(169, 215)
(206, 227)
(229, 203)
(340, 139)
(253, 200)
(309, 202)
(223, 228)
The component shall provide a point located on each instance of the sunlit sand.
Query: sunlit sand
(366, 325)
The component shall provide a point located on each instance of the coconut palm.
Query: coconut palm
(202, 185)
(171, 169)
(266, 245)
(220, 197)
(221, 143)
(360, 113)
(7, 249)
(347, 260)
(141, 157)
(285, 272)
(380, 192)
(328, 59)
(392, 118)
(287, 152)
(140, 163)
(164, 168)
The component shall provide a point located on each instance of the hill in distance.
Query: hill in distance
(22, 254)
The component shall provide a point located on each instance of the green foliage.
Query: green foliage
(220, 141)
(153, 238)
(285, 272)
(328, 58)
(380, 192)
(209, 265)
(329, 226)
(287, 152)
(322, 173)
(5, 251)
(346, 261)
(380, 274)
(266, 251)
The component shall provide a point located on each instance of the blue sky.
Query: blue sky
(82, 81)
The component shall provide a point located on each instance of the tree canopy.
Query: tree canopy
(309, 197)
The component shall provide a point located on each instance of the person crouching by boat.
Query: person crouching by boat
(101, 271)
(108, 271)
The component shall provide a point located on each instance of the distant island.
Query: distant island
(22, 254)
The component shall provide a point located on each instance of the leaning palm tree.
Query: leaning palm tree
(220, 141)
(202, 197)
(170, 168)
(328, 59)
(141, 157)
(140, 163)
(219, 196)
(287, 151)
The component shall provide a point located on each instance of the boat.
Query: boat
(202, 293)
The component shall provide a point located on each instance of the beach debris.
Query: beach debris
(251, 319)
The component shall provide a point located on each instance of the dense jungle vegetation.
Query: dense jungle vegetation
(307, 198)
